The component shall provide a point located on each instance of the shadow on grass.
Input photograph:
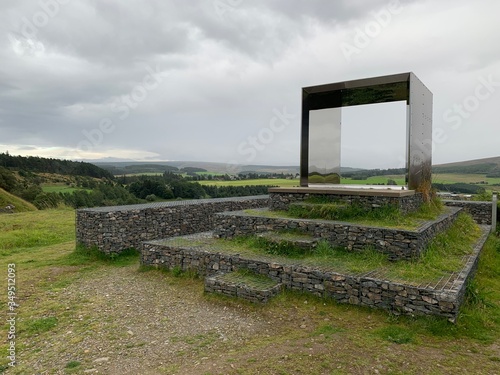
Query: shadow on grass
(87, 255)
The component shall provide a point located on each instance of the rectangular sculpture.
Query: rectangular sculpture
(321, 125)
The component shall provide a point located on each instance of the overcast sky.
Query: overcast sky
(220, 80)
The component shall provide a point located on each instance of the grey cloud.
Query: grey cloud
(224, 74)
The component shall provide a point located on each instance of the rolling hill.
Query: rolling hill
(493, 160)
(488, 166)
(20, 204)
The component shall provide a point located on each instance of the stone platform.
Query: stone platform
(398, 244)
(233, 284)
(375, 288)
(368, 197)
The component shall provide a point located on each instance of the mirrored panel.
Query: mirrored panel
(324, 146)
(320, 145)
(420, 142)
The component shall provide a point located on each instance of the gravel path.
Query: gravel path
(164, 326)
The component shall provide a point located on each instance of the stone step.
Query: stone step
(302, 241)
(243, 284)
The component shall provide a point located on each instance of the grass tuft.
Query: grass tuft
(40, 325)
(327, 330)
(396, 334)
(73, 364)
(384, 216)
(83, 254)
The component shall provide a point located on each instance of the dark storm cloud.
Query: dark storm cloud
(199, 79)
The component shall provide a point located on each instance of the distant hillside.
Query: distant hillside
(488, 166)
(20, 204)
(129, 167)
(37, 164)
(493, 160)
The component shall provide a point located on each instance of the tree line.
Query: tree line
(47, 165)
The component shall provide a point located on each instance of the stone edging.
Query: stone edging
(114, 229)
(443, 299)
(397, 244)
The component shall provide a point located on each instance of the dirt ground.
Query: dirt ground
(121, 320)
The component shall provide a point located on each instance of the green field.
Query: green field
(60, 188)
(290, 183)
(261, 181)
(448, 178)
(375, 180)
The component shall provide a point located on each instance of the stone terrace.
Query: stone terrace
(114, 229)
(396, 243)
(204, 254)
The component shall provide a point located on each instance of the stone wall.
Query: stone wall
(441, 298)
(114, 229)
(397, 244)
(218, 284)
(480, 211)
(280, 201)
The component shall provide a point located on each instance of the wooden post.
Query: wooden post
(494, 213)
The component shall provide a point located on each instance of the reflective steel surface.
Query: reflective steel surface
(321, 130)
(324, 146)
(420, 135)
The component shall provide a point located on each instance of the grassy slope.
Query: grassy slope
(21, 205)
(315, 335)
(450, 178)
(493, 160)
(60, 188)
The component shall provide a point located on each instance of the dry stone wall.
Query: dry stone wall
(480, 211)
(280, 201)
(397, 244)
(114, 229)
(441, 298)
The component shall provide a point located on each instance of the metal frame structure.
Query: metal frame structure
(398, 87)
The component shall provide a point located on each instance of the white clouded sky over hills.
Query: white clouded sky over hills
(220, 80)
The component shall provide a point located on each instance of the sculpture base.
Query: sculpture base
(367, 196)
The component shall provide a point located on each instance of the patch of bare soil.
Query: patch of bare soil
(129, 322)
(117, 320)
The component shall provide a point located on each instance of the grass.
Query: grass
(451, 178)
(40, 325)
(282, 247)
(249, 278)
(396, 334)
(375, 180)
(385, 216)
(446, 178)
(72, 365)
(61, 188)
(20, 204)
(444, 254)
(27, 230)
(327, 330)
(282, 182)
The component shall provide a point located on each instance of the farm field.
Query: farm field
(448, 178)
(296, 182)
(60, 188)
(262, 181)
(80, 312)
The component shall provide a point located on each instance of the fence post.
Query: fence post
(494, 213)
